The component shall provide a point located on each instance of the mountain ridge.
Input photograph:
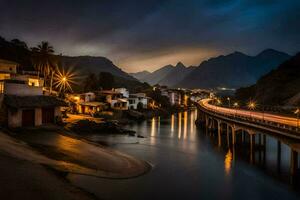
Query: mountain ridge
(233, 70)
(247, 69)
(282, 85)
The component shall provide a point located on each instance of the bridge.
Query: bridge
(248, 123)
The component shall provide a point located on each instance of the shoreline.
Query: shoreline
(63, 162)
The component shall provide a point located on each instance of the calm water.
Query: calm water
(190, 163)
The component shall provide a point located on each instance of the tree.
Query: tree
(44, 61)
(106, 80)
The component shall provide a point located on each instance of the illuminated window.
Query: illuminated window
(33, 82)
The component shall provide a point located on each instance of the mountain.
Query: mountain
(140, 75)
(279, 87)
(157, 75)
(176, 75)
(18, 51)
(168, 75)
(234, 70)
(89, 64)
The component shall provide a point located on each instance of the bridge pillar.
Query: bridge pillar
(278, 156)
(264, 149)
(233, 135)
(227, 134)
(252, 148)
(219, 133)
(259, 150)
(294, 162)
(206, 121)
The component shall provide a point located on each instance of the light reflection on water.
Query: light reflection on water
(265, 156)
(228, 162)
(191, 160)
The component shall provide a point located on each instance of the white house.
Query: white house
(122, 91)
(115, 99)
(22, 102)
(138, 99)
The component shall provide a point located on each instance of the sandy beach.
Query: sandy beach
(38, 162)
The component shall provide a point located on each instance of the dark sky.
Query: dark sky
(147, 34)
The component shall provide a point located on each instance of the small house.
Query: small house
(139, 100)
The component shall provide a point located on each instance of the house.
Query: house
(120, 104)
(7, 69)
(86, 103)
(139, 100)
(22, 111)
(114, 99)
(90, 108)
(87, 97)
(22, 100)
(174, 97)
(123, 91)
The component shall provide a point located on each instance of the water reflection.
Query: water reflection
(172, 123)
(179, 125)
(153, 127)
(228, 162)
(277, 158)
(185, 121)
(186, 157)
(265, 152)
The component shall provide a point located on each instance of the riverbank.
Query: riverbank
(50, 155)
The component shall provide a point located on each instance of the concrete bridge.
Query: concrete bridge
(244, 124)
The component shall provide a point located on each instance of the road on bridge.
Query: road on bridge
(250, 113)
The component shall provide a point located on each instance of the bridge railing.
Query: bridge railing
(243, 118)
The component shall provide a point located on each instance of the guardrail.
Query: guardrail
(248, 119)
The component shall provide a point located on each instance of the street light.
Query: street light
(251, 106)
(64, 79)
(228, 99)
(236, 105)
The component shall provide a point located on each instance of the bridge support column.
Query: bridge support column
(219, 133)
(233, 136)
(278, 156)
(227, 134)
(259, 150)
(294, 162)
(264, 149)
(206, 121)
(252, 147)
(243, 136)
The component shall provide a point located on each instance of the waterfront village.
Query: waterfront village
(25, 102)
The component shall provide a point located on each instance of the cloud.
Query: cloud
(130, 32)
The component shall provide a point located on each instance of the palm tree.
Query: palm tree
(44, 61)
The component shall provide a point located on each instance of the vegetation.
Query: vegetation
(17, 51)
(107, 81)
(43, 59)
(45, 62)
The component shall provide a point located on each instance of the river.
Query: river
(190, 163)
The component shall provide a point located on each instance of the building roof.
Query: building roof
(33, 101)
(93, 104)
(8, 62)
(122, 100)
(108, 92)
